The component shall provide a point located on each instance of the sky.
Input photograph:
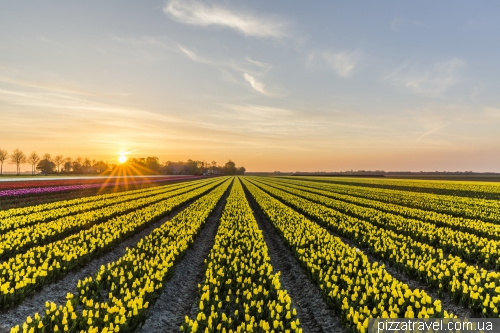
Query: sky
(288, 85)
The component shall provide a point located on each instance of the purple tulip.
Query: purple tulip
(40, 190)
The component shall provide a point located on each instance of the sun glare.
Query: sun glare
(122, 158)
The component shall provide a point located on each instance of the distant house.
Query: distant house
(210, 172)
(175, 168)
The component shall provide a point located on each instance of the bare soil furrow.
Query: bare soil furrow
(446, 300)
(313, 312)
(180, 292)
(447, 303)
(56, 292)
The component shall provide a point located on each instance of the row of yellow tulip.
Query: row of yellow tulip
(118, 296)
(462, 188)
(472, 248)
(480, 228)
(4, 214)
(466, 207)
(59, 204)
(59, 209)
(23, 274)
(240, 292)
(21, 239)
(355, 287)
(474, 287)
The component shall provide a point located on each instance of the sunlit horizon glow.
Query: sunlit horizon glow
(122, 158)
(305, 87)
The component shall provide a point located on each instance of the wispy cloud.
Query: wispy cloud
(261, 122)
(434, 81)
(398, 23)
(162, 42)
(197, 13)
(241, 68)
(46, 40)
(64, 103)
(492, 113)
(191, 54)
(343, 63)
(260, 64)
(259, 86)
(434, 130)
(66, 87)
(476, 25)
(231, 70)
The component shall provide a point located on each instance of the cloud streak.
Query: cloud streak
(260, 122)
(263, 65)
(434, 130)
(196, 13)
(46, 86)
(434, 81)
(259, 86)
(398, 23)
(343, 63)
(193, 56)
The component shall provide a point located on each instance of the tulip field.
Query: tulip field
(16, 194)
(250, 254)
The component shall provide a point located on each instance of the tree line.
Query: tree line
(46, 164)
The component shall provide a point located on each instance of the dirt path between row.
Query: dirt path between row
(56, 292)
(180, 292)
(31, 200)
(313, 312)
(446, 300)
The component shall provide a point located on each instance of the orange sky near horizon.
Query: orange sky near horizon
(290, 160)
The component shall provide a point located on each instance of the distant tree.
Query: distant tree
(230, 168)
(138, 163)
(46, 166)
(33, 159)
(58, 161)
(3, 156)
(153, 163)
(172, 168)
(192, 167)
(68, 164)
(17, 157)
(241, 171)
(76, 165)
(47, 157)
(165, 170)
(100, 167)
(87, 165)
(199, 167)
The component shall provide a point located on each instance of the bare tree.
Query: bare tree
(33, 159)
(214, 164)
(17, 157)
(3, 156)
(68, 164)
(58, 160)
(47, 157)
(87, 165)
(76, 165)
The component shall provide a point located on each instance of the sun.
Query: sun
(122, 158)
